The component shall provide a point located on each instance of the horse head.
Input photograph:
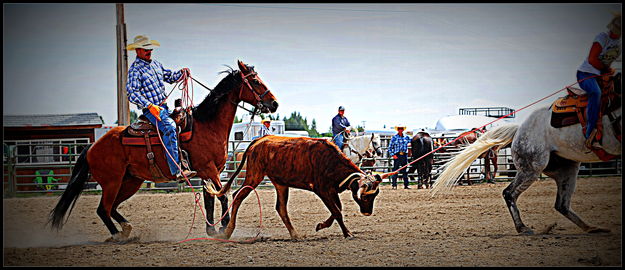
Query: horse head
(375, 144)
(254, 91)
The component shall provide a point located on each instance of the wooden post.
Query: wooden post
(123, 108)
(12, 179)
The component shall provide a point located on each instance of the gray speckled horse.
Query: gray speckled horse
(537, 147)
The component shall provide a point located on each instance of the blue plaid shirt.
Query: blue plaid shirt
(145, 82)
(398, 144)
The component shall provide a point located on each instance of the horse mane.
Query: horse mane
(208, 109)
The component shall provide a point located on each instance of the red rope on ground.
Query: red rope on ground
(189, 101)
(478, 128)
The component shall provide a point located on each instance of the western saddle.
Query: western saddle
(144, 133)
(571, 109)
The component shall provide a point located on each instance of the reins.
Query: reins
(189, 98)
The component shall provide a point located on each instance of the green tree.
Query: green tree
(296, 122)
(133, 117)
(237, 120)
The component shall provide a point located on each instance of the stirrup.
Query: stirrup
(590, 142)
(185, 174)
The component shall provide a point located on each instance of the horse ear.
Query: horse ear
(242, 66)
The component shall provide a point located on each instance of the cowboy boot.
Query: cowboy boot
(591, 143)
(185, 174)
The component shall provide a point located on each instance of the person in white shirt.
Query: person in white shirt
(605, 49)
(265, 129)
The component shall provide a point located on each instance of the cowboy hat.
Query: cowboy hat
(265, 120)
(143, 42)
(615, 22)
(400, 126)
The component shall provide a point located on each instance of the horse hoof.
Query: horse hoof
(210, 230)
(597, 230)
(526, 231)
(318, 227)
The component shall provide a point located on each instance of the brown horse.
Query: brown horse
(120, 170)
(421, 144)
(489, 156)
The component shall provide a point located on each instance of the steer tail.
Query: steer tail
(454, 168)
(80, 175)
(211, 189)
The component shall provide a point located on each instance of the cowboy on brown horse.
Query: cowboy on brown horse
(146, 89)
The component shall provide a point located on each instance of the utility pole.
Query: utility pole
(123, 107)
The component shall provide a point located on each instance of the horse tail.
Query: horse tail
(453, 169)
(211, 189)
(80, 175)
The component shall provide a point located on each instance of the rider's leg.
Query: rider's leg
(594, 99)
(338, 140)
(168, 128)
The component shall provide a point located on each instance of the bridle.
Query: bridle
(360, 155)
(259, 105)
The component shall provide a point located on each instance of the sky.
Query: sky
(387, 64)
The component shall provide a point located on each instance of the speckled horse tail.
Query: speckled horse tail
(453, 169)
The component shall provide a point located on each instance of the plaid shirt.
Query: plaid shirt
(398, 144)
(145, 82)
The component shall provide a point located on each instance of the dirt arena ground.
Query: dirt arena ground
(468, 227)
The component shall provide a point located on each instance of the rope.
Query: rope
(478, 128)
(184, 87)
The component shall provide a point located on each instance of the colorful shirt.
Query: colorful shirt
(145, 82)
(398, 144)
(610, 50)
(339, 123)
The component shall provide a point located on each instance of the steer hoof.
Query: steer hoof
(116, 238)
(210, 230)
(594, 229)
(319, 227)
(126, 229)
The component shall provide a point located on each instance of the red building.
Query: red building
(45, 145)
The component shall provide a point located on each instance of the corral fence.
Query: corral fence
(37, 173)
(476, 172)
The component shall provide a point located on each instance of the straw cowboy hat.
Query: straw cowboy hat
(265, 120)
(143, 42)
(615, 23)
(400, 126)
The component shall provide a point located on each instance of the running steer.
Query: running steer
(305, 163)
